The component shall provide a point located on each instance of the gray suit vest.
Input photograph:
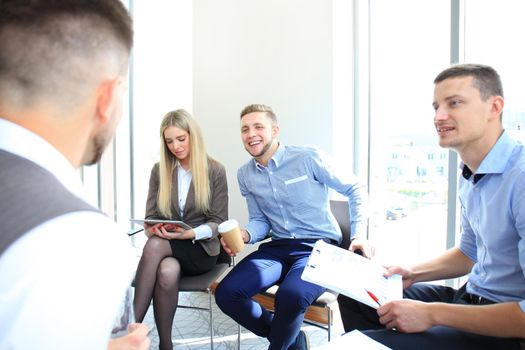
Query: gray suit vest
(30, 195)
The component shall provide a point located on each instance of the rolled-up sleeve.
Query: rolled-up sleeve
(347, 184)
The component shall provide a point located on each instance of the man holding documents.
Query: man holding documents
(489, 311)
(286, 189)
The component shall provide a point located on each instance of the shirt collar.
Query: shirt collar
(18, 140)
(276, 159)
(467, 173)
(181, 170)
(496, 160)
(278, 156)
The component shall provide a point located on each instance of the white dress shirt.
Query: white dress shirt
(61, 284)
(184, 180)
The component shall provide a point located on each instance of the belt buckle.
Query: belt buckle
(477, 299)
(474, 299)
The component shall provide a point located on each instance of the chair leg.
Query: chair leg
(329, 318)
(211, 318)
(238, 336)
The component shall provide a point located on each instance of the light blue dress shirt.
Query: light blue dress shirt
(289, 197)
(493, 223)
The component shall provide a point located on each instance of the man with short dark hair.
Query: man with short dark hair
(489, 311)
(64, 267)
(286, 190)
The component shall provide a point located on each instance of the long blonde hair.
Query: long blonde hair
(198, 163)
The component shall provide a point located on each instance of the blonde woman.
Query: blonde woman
(189, 186)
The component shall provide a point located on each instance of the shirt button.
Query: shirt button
(280, 205)
(275, 190)
(271, 172)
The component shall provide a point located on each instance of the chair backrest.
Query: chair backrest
(341, 213)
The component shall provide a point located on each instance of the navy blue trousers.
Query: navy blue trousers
(280, 261)
(359, 316)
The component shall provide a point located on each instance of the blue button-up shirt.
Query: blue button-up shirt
(289, 197)
(493, 223)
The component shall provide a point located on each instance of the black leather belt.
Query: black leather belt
(476, 299)
(313, 240)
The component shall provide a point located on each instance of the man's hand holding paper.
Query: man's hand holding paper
(352, 275)
(406, 275)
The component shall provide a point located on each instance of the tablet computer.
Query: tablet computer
(161, 221)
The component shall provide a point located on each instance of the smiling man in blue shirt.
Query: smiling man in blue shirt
(489, 311)
(286, 189)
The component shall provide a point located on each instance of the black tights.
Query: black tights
(158, 276)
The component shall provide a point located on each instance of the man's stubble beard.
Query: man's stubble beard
(99, 144)
(263, 151)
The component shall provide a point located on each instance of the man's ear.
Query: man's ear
(497, 105)
(107, 93)
(275, 130)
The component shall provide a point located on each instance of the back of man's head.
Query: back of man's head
(57, 51)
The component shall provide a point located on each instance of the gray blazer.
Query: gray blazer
(217, 213)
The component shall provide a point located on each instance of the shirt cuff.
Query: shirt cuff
(358, 230)
(202, 232)
(249, 235)
(257, 230)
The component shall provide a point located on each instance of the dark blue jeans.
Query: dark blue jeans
(279, 261)
(359, 316)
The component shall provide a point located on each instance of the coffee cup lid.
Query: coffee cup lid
(228, 225)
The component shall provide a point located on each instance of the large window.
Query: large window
(409, 45)
(488, 29)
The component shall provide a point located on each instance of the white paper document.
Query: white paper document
(353, 340)
(352, 275)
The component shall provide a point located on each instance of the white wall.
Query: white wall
(162, 81)
(275, 52)
(162, 61)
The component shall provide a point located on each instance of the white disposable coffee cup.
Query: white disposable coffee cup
(231, 233)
